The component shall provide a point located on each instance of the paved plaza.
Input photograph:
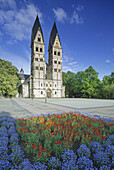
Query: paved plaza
(26, 107)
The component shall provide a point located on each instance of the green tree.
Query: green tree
(91, 83)
(108, 86)
(9, 78)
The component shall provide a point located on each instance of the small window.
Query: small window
(36, 59)
(58, 53)
(55, 85)
(55, 70)
(59, 62)
(39, 39)
(55, 92)
(54, 52)
(40, 49)
(36, 48)
(59, 70)
(41, 59)
(46, 85)
(41, 84)
(41, 92)
(55, 62)
(41, 68)
(36, 67)
(50, 85)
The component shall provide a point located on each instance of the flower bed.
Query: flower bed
(58, 141)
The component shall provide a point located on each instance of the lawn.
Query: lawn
(58, 141)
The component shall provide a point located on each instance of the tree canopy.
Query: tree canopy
(87, 84)
(9, 79)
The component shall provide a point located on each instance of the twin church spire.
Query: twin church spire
(37, 26)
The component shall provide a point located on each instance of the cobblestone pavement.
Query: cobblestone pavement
(27, 107)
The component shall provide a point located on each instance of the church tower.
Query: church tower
(55, 62)
(38, 64)
(55, 55)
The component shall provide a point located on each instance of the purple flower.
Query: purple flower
(54, 163)
(39, 166)
(83, 150)
(84, 163)
(69, 155)
(96, 147)
(4, 164)
(25, 165)
(101, 158)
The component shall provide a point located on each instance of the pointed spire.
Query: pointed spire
(53, 34)
(35, 28)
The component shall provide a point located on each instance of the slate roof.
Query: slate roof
(24, 76)
(53, 34)
(35, 28)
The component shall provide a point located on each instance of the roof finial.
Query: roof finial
(37, 11)
(54, 19)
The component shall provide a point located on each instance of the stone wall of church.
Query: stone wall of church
(25, 88)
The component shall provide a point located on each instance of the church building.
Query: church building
(45, 79)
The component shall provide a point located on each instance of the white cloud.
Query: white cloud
(107, 61)
(76, 18)
(80, 8)
(60, 15)
(72, 63)
(113, 49)
(16, 60)
(17, 23)
(8, 3)
(69, 64)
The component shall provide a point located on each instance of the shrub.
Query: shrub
(83, 150)
(84, 163)
(101, 158)
(54, 163)
(96, 147)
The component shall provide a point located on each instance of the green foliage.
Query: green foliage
(108, 86)
(87, 84)
(9, 79)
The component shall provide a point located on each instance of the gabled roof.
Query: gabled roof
(35, 28)
(23, 76)
(53, 34)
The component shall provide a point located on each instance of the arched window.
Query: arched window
(39, 39)
(36, 48)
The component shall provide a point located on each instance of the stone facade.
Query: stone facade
(46, 78)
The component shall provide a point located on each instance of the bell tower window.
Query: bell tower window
(41, 50)
(39, 39)
(36, 48)
(58, 53)
(54, 52)
(55, 62)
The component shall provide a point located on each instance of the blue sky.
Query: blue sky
(86, 30)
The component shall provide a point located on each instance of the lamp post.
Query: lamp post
(46, 98)
(32, 86)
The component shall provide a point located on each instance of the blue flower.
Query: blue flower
(105, 167)
(4, 164)
(39, 166)
(101, 158)
(25, 165)
(84, 163)
(69, 165)
(96, 147)
(14, 137)
(54, 163)
(69, 155)
(83, 150)
(17, 156)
